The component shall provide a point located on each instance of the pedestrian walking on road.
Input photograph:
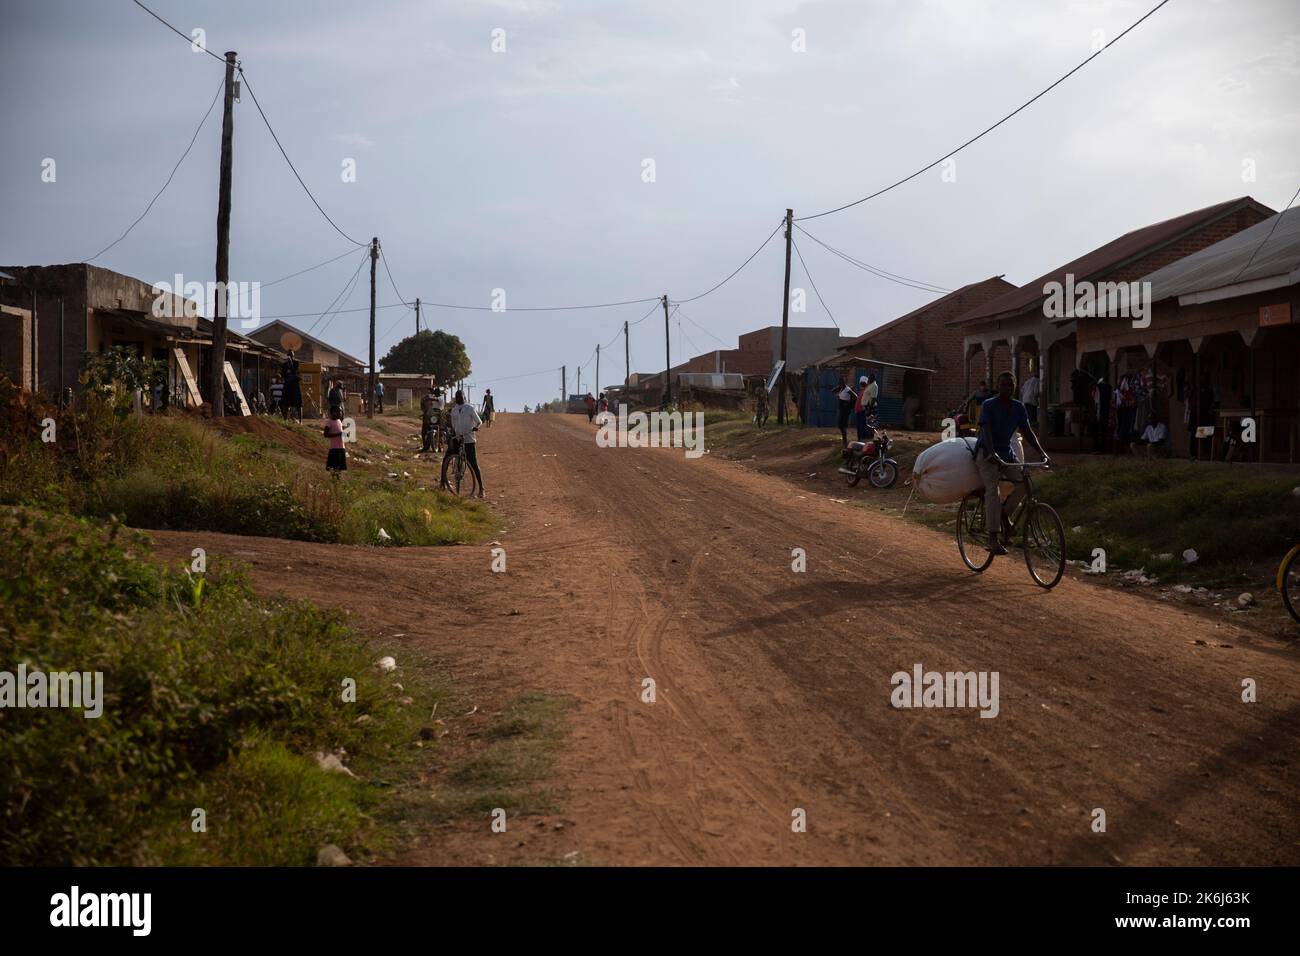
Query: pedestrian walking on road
(489, 408)
(591, 408)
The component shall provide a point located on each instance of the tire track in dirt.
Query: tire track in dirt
(776, 684)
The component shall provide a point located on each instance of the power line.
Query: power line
(262, 113)
(346, 286)
(510, 378)
(172, 175)
(875, 270)
(391, 281)
(267, 285)
(189, 40)
(653, 309)
(342, 298)
(812, 283)
(1266, 238)
(738, 268)
(308, 315)
(978, 136)
(544, 308)
(702, 329)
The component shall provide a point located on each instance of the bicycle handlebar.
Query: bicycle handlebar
(1045, 463)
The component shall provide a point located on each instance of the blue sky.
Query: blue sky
(522, 170)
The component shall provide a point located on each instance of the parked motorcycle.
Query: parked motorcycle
(870, 458)
(963, 427)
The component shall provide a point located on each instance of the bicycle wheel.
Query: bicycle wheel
(1044, 545)
(1288, 581)
(973, 533)
(457, 477)
(883, 474)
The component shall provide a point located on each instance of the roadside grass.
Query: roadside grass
(1143, 513)
(500, 770)
(178, 472)
(212, 699)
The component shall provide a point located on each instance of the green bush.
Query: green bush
(173, 472)
(190, 676)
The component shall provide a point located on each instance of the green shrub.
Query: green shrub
(190, 676)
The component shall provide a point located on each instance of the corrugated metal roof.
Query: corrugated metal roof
(1217, 266)
(1105, 259)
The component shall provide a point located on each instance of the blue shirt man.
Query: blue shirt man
(1000, 419)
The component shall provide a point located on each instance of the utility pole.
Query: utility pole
(370, 380)
(417, 315)
(579, 380)
(668, 357)
(785, 316)
(221, 308)
(598, 371)
(627, 358)
(564, 386)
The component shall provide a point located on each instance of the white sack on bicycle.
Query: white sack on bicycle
(945, 472)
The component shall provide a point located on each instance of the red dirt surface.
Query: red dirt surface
(774, 686)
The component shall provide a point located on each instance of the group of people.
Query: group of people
(594, 406)
(859, 405)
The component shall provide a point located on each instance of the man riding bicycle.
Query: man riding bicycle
(1000, 418)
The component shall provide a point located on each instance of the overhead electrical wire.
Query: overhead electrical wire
(510, 378)
(812, 282)
(170, 177)
(294, 275)
(1276, 220)
(701, 328)
(737, 269)
(346, 297)
(271, 130)
(875, 270)
(189, 40)
(346, 286)
(978, 136)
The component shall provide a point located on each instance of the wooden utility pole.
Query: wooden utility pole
(417, 316)
(668, 357)
(564, 386)
(221, 308)
(370, 383)
(785, 316)
(627, 358)
(579, 380)
(598, 371)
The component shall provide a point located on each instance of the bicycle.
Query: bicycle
(1288, 581)
(1043, 533)
(457, 477)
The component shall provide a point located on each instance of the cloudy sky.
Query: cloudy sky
(524, 170)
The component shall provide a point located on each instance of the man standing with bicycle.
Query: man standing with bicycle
(1000, 418)
(465, 422)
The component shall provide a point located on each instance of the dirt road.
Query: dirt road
(773, 687)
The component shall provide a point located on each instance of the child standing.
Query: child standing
(337, 459)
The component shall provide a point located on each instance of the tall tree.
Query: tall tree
(429, 353)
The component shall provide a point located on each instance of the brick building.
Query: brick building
(923, 338)
(75, 309)
(1002, 333)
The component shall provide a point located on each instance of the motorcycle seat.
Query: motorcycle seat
(857, 445)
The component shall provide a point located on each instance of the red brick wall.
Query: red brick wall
(926, 341)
